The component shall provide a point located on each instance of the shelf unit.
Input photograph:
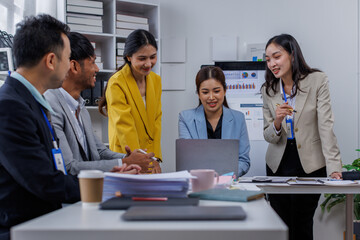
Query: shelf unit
(106, 41)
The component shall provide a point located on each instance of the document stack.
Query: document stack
(125, 24)
(85, 15)
(120, 54)
(174, 185)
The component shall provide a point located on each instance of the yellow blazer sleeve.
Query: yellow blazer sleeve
(122, 129)
(157, 130)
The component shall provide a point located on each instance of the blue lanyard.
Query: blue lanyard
(289, 120)
(285, 99)
(50, 128)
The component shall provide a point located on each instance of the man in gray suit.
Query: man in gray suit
(80, 147)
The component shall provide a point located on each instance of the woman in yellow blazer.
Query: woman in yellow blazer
(298, 125)
(133, 98)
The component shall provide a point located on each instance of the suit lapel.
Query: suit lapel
(150, 104)
(200, 123)
(135, 93)
(300, 100)
(29, 99)
(71, 119)
(278, 99)
(227, 121)
(92, 147)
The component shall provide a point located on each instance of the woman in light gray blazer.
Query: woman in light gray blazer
(213, 119)
(298, 125)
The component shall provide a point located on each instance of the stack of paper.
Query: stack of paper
(173, 185)
(125, 24)
(85, 16)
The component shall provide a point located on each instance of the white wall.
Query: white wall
(327, 31)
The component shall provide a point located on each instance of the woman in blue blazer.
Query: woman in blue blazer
(213, 119)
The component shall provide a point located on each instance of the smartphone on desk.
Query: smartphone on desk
(261, 179)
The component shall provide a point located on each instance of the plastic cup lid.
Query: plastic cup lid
(91, 174)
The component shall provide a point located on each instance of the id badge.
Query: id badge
(290, 128)
(59, 160)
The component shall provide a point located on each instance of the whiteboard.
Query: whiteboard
(243, 83)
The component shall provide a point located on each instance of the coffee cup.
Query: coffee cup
(91, 187)
(205, 179)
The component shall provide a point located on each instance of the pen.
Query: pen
(153, 158)
(291, 110)
(320, 181)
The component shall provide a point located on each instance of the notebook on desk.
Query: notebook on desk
(235, 195)
(120, 203)
(222, 155)
(185, 213)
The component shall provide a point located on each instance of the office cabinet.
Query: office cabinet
(101, 22)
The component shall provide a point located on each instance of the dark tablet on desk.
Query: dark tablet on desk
(121, 203)
(142, 213)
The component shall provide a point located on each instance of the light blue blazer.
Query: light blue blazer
(192, 125)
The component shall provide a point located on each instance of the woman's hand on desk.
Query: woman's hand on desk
(336, 175)
(156, 167)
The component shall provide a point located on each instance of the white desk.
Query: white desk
(74, 222)
(349, 190)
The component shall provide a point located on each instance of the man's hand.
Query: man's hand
(125, 169)
(143, 160)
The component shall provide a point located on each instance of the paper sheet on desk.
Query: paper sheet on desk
(246, 186)
(306, 182)
(159, 176)
(340, 183)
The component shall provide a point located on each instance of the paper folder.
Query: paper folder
(120, 203)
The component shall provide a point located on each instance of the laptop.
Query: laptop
(222, 155)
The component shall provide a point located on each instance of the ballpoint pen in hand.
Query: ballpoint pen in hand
(290, 109)
(153, 158)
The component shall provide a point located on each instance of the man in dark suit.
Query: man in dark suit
(80, 147)
(30, 184)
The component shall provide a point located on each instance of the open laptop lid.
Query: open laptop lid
(222, 155)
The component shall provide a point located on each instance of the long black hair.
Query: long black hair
(300, 69)
(211, 72)
(136, 40)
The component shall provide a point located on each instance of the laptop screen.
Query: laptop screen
(222, 155)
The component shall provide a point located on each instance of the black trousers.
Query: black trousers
(4, 234)
(296, 210)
